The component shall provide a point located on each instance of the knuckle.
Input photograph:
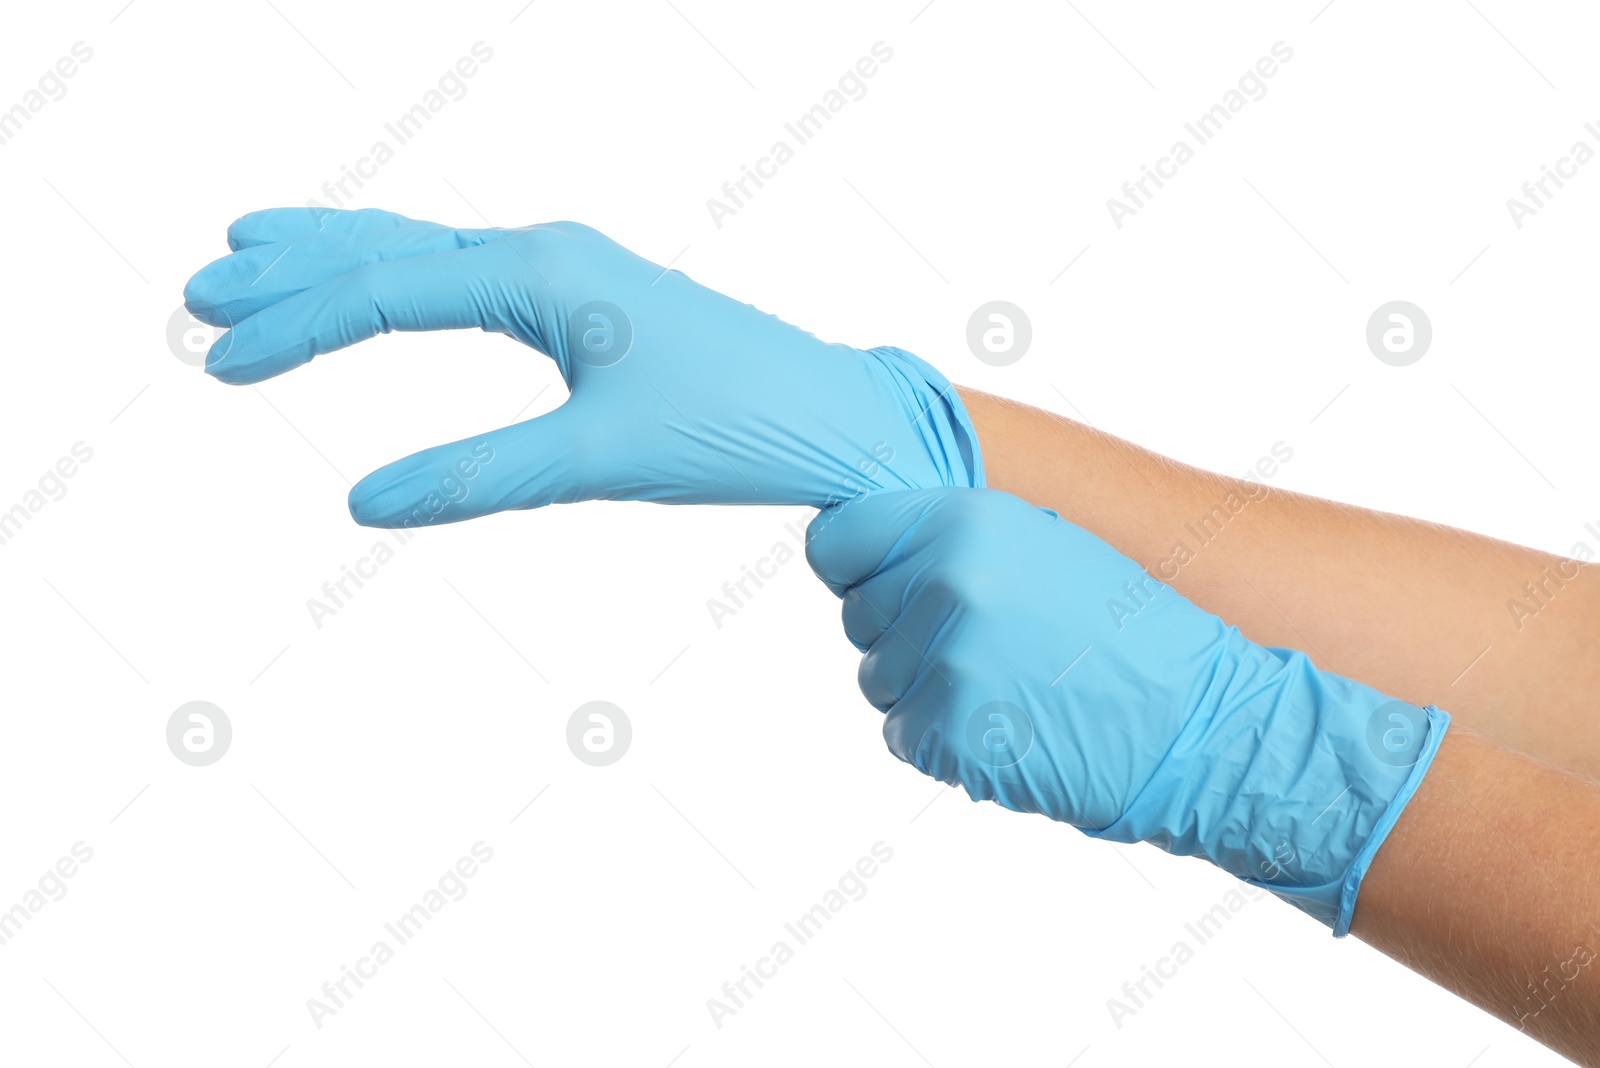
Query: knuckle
(976, 587)
(568, 228)
(550, 246)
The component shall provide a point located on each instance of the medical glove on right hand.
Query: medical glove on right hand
(1028, 661)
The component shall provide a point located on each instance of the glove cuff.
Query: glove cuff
(1334, 902)
(1438, 723)
(941, 420)
(1290, 780)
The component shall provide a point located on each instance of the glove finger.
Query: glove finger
(848, 543)
(271, 225)
(905, 649)
(988, 751)
(547, 460)
(915, 725)
(229, 290)
(482, 286)
(872, 605)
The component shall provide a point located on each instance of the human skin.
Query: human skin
(1503, 835)
(1415, 609)
(1503, 849)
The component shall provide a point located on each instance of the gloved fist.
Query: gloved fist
(678, 393)
(1028, 661)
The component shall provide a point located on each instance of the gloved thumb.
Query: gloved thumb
(848, 543)
(547, 460)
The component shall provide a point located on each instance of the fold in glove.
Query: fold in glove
(1026, 660)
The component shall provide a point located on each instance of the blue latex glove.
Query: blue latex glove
(1033, 664)
(679, 394)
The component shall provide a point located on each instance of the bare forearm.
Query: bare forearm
(1418, 610)
(1487, 886)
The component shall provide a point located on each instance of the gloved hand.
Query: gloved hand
(1030, 662)
(678, 394)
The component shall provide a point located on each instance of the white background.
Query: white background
(369, 754)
